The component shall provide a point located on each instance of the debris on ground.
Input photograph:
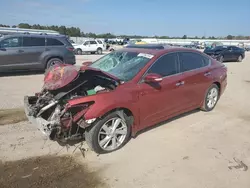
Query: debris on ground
(49, 172)
(11, 116)
(239, 165)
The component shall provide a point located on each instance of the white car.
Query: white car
(92, 46)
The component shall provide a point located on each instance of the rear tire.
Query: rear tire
(221, 59)
(99, 135)
(53, 61)
(211, 98)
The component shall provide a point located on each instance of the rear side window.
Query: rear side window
(190, 61)
(165, 66)
(54, 42)
(235, 48)
(33, 41)
(93, 42)
(100, 42)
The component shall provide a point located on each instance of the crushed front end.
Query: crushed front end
(49, 109)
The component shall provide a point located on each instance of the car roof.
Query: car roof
(34, 35)
(159, 51)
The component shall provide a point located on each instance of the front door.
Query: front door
(162, 100)
(10, 53)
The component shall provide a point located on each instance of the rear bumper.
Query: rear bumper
(70, 60)
(39, 122)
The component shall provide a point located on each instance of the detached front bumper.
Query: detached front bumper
(39, 122)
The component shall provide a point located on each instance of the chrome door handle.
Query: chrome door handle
(180, 83)
(207, 74)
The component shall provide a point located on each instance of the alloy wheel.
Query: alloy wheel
(240, 58)
(212, 98)
(112, 134)
(221, 59)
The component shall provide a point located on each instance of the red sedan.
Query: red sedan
(108, 101)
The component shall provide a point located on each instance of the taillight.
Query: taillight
(71, 49)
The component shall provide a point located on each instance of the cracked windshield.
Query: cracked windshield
(123, 65)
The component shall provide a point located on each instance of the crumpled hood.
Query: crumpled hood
(98, 71)
(59, 76)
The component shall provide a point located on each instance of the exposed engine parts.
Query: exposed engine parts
(50, 110)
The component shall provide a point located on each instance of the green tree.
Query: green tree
(229, 37)
(24, 26)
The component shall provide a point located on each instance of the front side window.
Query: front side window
(166, 65)
(86, 43)
(33, 41)
(11, 42)
(123, 65)
(54, 42)
(190, 61)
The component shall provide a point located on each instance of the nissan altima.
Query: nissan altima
(110, 100)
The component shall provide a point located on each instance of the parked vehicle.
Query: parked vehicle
(134, 42)
(190, 46)
(226, 53)
(247, 48)
(34, 52)
(92, 46)
(149, 46)
(123, 92)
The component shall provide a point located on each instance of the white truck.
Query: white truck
(90, 46)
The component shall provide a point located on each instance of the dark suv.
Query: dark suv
(34, 52)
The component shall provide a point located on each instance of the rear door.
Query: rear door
(10, 53)
(195, 69)
(236, 52)
(228, 54)
(33, 48)
(93, 45)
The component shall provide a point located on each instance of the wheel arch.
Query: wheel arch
(218, 85)
(126, 111)
(52, 57)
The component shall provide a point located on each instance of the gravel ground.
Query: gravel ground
(198, 150)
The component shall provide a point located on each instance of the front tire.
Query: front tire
(239, 58)
(211, 98)
(79, 52)
(109, 133)
(99, 51)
